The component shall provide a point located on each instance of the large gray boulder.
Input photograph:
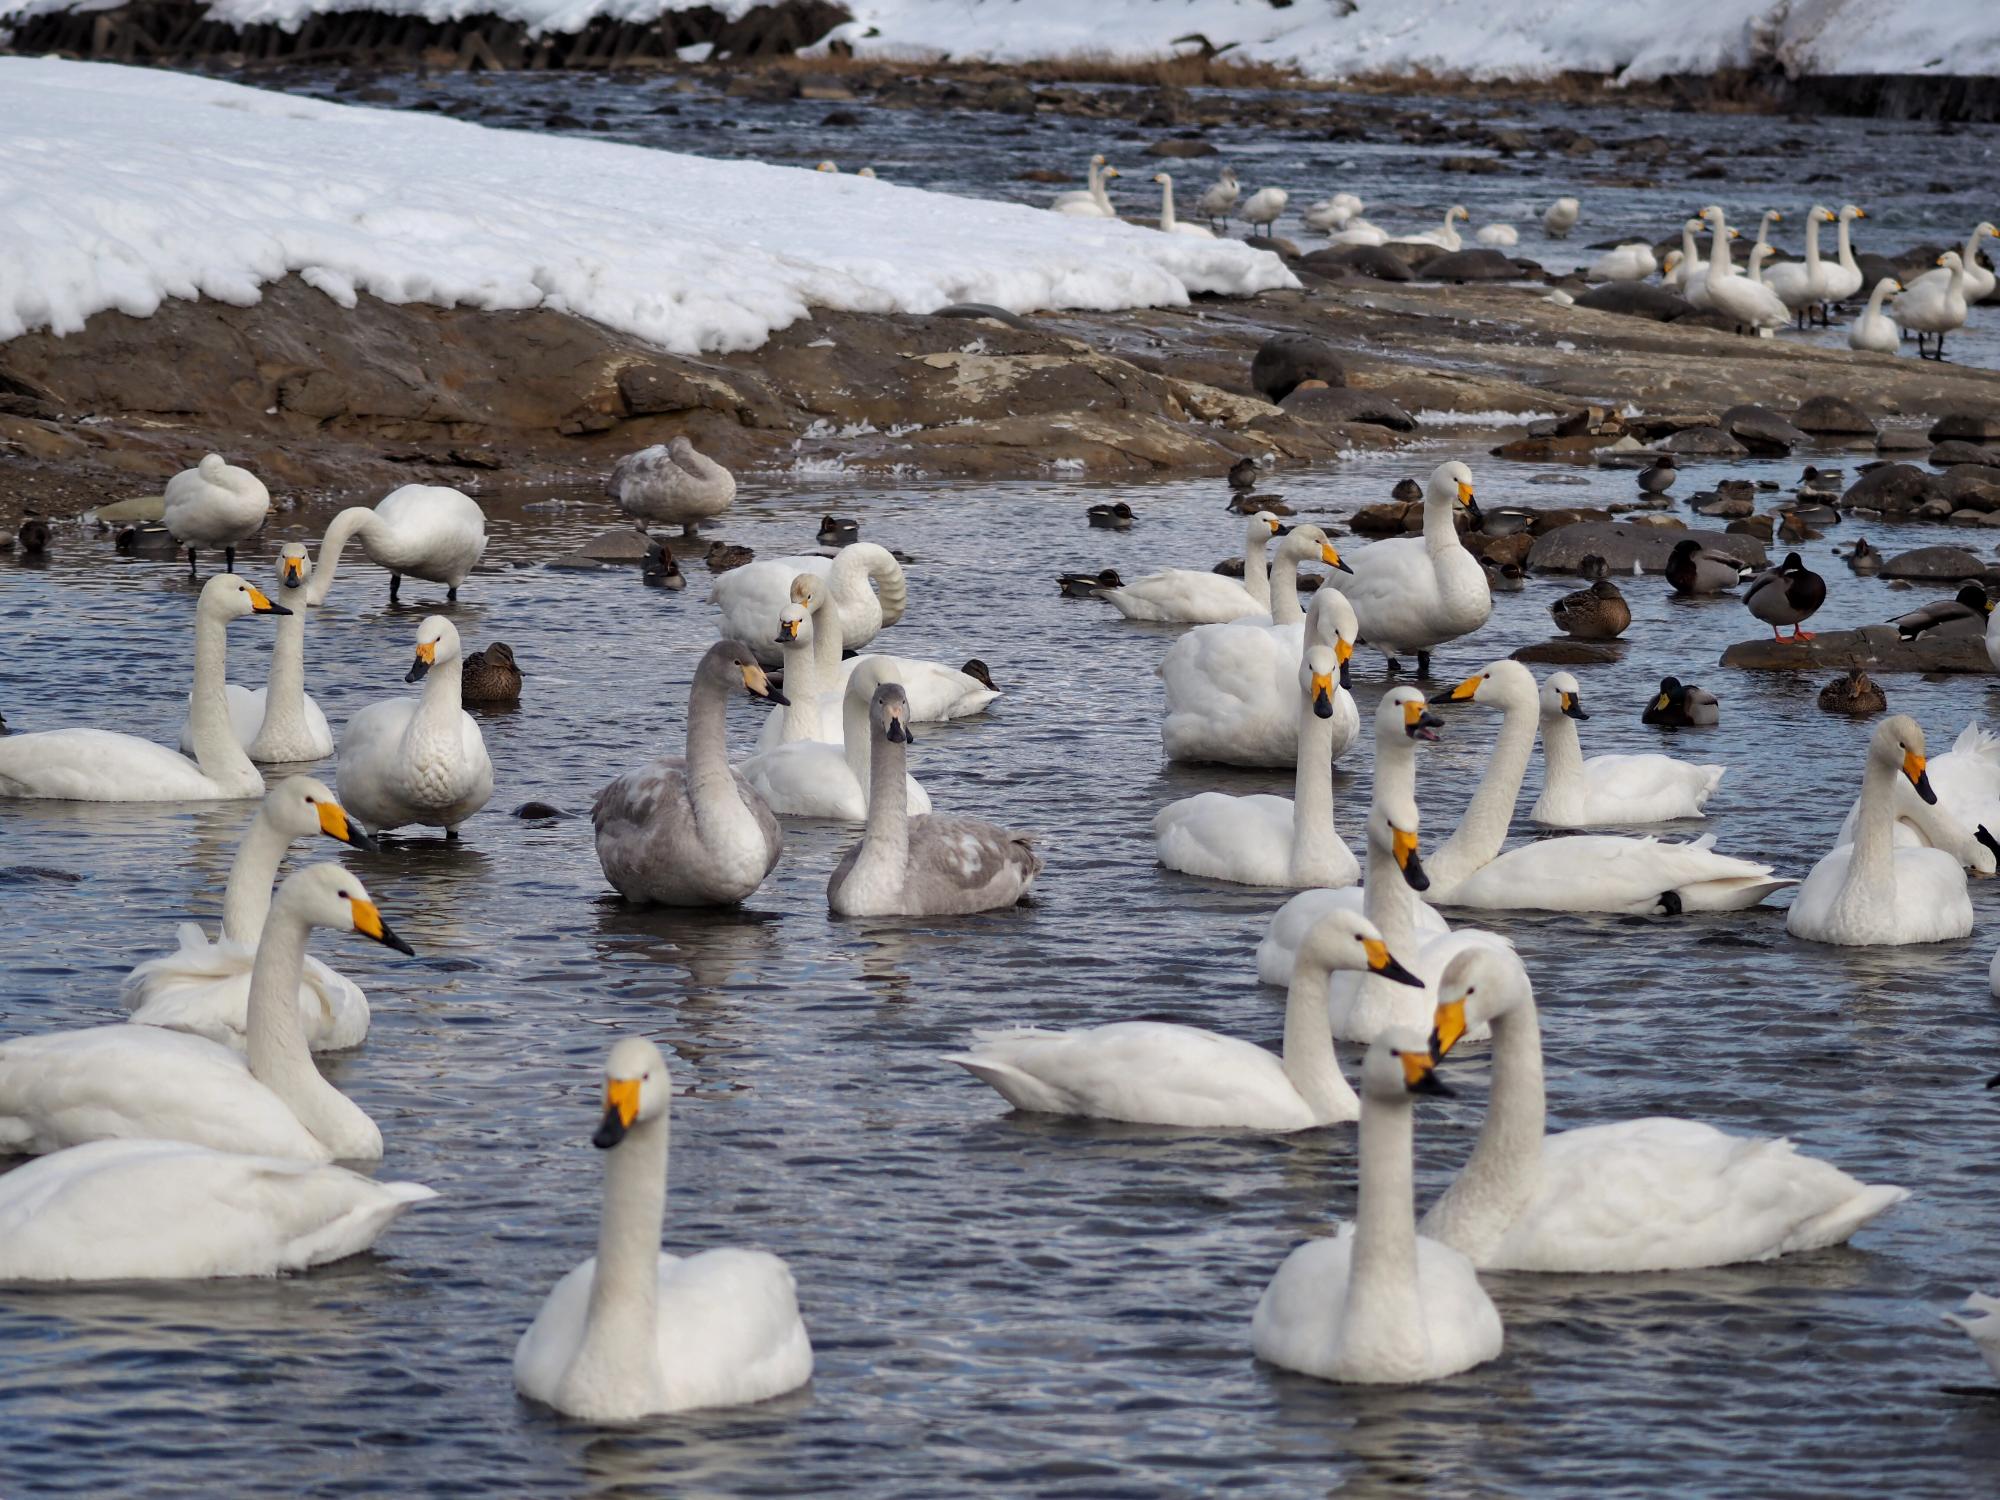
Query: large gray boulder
(1621, 543)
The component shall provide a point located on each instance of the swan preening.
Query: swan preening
(425, 531)
(672, 483)
(1560, 217)
(1218, 200)
(215, 504)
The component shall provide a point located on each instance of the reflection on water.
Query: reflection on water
(1021, 1306)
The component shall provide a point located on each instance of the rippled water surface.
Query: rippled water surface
(998, 1304)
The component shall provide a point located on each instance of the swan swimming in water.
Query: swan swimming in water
(1609, 790)
(418, 760)
(279, 723)
(753, 596)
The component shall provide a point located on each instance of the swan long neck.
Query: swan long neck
(1875, 311)
(1874, 825)
(216, 749)
(1812, 244)
(1256, 567)
(802, 687)
(1846, 246)
(1387, 900)
(829, 639)
(246, 900)
(285, 689)
(1506, 1158)
(1309, 1058)
(343, 526)
(1690, 252)
(1440, 525)
(856, 734)
(1314, 838)
(1483, 830)
(1384, 1305)
(1562, 759)
(443, 699)
(275, 1030)
(1284, 589)
(1719, 253)
(865, 560)
(620, 1338)
(1167, 221)
(707, 739)
(885, 837)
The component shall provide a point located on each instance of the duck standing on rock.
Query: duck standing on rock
(1598, 613)
(671, 483)
(1789, 594)
(1682, 705)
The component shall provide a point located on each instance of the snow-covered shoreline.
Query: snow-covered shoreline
(129, 186)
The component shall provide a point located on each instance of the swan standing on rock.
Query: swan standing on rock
(1218, 201)
(1191, 596)
(753, 596)
(426, 531)
(1413, 594)
(64, 1088)
(1157, 1073)
(215, 504)
(1875, 332)
(1802, 287)
(671, 483)
(1977, 282)
(813, 779)
(1168, 223)
(1609, 790)
(1262, 839)
(1932, 308)
(279, 723)
(1376, 1304)
(1094, 202)
(1871, 891)
(1560, 217)
(634, 1332)
(1744, 300)
(929, 865)
(1641, 1195)
(418, 760)
(692, 832)
(1843, 278)
(95, 765)
(1263, 207)
(204, 987)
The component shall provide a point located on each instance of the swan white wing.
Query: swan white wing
(1233, 696)
(1793, 283)
(752, 597)
(1278, 953)
(936, 692)
(246, 716)
(1148, 1072)
(1663, 1194)
(1184, 596)
(1247, 840)
(1625, 790)
(1601, 872)
(95, 765)
(811, 779)
(166, 1210)
(1926, 901)
(203, 988)
(1979, 1316)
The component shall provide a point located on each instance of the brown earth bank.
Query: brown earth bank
(324, 400)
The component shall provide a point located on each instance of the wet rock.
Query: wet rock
(1374, 261)
(1705, 442)
(1570, 653)
(1501, 550)
(539, 810)
(1873, 648)
(1390, 519)
(1901, 440)
(1534, 449)
(1471, 265)
(625, 547)
(1621, 543)
(1762, 430)
(1760, 527)
(1967, 426)
(1832, 416)
(976, 310)
(1724, 505)
(1890, 488)
(1281, 363)
(1636, 299)
(1941, 563)
(1956, 451)
(139, 508)
(1317, 404)
(1972, 487)
(1181, 149)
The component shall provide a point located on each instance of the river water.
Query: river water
(999, 1304)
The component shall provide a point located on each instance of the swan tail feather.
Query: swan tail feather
(1838, 1224)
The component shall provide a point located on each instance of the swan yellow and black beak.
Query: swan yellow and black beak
(1419, 723)
(427, 655)
(295, 572)
(368, 922)
(1343, 652)
(1420, 1074)
(621, 1108)
(1447, 1026)
(1913, 767)
(1405, 847)
(1572, 705)
(1277, 527)
(759, 685)
(1467, 688)
(788, 631)
(1322, 694)
(1331, 558)
(335, 824)
(897, 729)
(1471, 505)
(1381, 961)
(260, 602)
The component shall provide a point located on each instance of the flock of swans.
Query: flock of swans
(200, 1139)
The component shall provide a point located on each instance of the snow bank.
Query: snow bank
(125, 186)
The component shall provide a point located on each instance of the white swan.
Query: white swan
(1560, 217)
(671, 483)
(1232, 694)
(426, 531)
(1843, 277)
(1377, 1304)
(1413, 594)
(1157, 1073)
(1168, 223)
(1875, 332)
(95, 765)
(171, 1211)
(1964, 819)
(1979, 1316)
(1190, 596)
(1977, 282)
(1582, 872)
(1609, 790)
(813, 779)
(1330, 214)
(1932, 308)
(1802, 286)
(1690, 274)
(1743, 300)
(62, 1088)
(1641, 1195)
(1357, 231)
(1498, 236)
(215, 504)
(1262, 839)
(279, 723)
(204, 987)
(417, 760)
(1633, 262)
(1263, 207)
(1446, 236)
(1094, 202)
(1870, 891)
(751, 597)
(1218, 200)
(928, 865)
(634, 1331)
(691, 832)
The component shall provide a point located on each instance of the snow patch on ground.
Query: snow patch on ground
(124, 187)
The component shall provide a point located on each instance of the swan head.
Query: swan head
(1849, 211)
(732, 661)
(1393, 831)
(1345, 939)
(637, 1088)
(1821, 214)
(1950, 261)
(809, 589)
(231, 598)
(300, 806)
(437, 643)
(1986, 229)
(826, 166)
(1671, 263)
(330, 897)
(1898, 744)
(295, 569)
(1502, 684)
(1319, 670)
(1405, 715)
(1458, 211)
(1562, 697)
(1227, 177)
(1451, 484)
(1263, 526)
(1111, 172)
(1889, 285)
(1477, 986)
(889, 712)
(795, 626)
(1398, 1067)
(1772, 216)
(1332, 614)
(1163, 179)
(1307, 542)
(1758, 255)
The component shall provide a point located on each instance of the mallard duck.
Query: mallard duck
(839, 531)
(1503, 578)
(1682, 705)
(1856, 695)
(1086, 585)
(660, 571)
(1963, 614)
(1408, 491)
(1590, 567)
(1243, 475)
(722, 556)
(1598, 613)
(1822, 483)
(1248, 504)
(489, 677)
(1789, 594)
(33, 537)
(980, 673)
(1693, 569)
(1116, 517)
(1864, 559)
(1658, 477)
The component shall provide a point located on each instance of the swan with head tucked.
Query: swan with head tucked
(752, 597)
(1191, 596)
(1875, 331)
(814, 779)
(927, 865)
(1560, 217)
(1263, 207)
(1093, 202)
(215, 504)
(1158, 1073)
(426, 531)
(95, 765)
(63, 1088)
(1168, 223)
(1872, 891)
(1931, 308)
(1377, 1303)
(1262, 839)
(1801, 286)
(1414, 594)
(279, 722)
(418, 760)
(671, 483)
(1609, 790)
(1330, 214)
(1498, 236)
(692, 832)
(1583, 872)
(633, 1331)
(1633, 262)
(1641, 1195)
(204, 987)
(1218, 200)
